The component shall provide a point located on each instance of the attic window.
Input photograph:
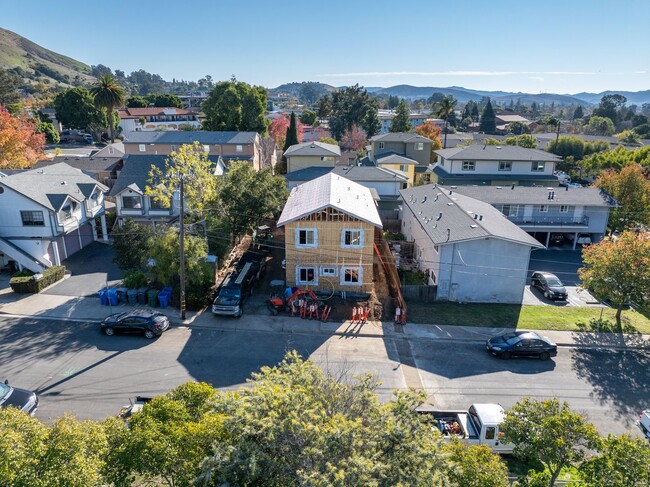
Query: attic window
(239, 148)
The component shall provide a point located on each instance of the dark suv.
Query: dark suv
(140, 321)
(549, 285)
(22, 399)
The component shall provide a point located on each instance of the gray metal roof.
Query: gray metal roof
(178, 137)
(537, 195)
(497, 153)
(400, 137)
(332, 191)
(448, 218)
(50, 186)
(313, 149)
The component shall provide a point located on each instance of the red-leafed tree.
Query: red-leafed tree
(278, 129)
(354, 139)
(20, 145)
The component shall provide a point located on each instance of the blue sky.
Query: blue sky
(554, 46)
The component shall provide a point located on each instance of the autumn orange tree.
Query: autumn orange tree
(20, 145)
(631, 188)
(618, 270)
(278, 130)
(430, 131)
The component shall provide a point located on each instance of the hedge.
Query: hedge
(27, 284)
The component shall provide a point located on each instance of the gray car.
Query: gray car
(549, 285)
(26, 401)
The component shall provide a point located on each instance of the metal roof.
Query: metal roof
(179, 137)
(332, 191)
(497, 153)
(313, 149)
(538, 195)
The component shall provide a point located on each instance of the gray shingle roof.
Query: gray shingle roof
(333, 191)
(395, 159)
(313, 149)
(358, 174)
(537, 195)
(50, 186)
(497, 153)
(503, 176)
(448, 218)
(399, 137)
(308, 173)
(88, 164)
(178, 137)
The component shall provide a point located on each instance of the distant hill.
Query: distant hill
(633, 97)
(33, 62)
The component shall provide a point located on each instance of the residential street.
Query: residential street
(76, 369)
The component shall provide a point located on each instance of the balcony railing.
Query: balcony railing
(550, 220)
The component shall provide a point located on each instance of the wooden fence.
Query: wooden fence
(426, 294)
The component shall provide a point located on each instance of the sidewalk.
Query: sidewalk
(88, 310)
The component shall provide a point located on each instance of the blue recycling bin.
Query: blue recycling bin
(132, 296)
(121, 295)
(103, 297)
(112, 297)
(163, 299)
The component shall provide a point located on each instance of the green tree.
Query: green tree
(393, 101)
(108, 94)
(166, 100)
(549, 433)
(245, 196)
(401, 121)
(8, 88)
(131, 243)
(617, 159)
(308, 117)
(296, 426)
(622, 461)
(525, 140)
(292, 133)
(45, 126)
(353, 106)
(22, 444)
(137, 102)
(476, 466)
(609, 107)
(600, 126)
(444, 109)
(488, 124)
(618, 270)
(75, 109)
(517, 128)
(236, 106)
(324, 106)
(629, 137)
(328, 140)
(578, 113)
(631, 188)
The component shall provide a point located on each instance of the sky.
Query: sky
(551, 46)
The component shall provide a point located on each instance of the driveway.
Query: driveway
(92, 268)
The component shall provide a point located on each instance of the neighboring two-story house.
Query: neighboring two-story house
(403, 151)
(130, 186)
(329, 226)
(566, 212)
(495, 165)
(312, 154)
(243, 146)
(103, 169)
(48, 214)
(156, 118)
(465, 247)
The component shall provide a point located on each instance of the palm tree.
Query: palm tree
(108, 94)
(445, 109)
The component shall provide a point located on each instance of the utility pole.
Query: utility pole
(557, 135)
(182, 246)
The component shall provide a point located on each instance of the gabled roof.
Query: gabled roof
(449, 218)
(330, 191)
(513, 118)
(462, 178)
(135, 174)
(497, 153)
(395, 159)
(538, 195)
(87, 164)
(313, 149)
(399, 137)
(179, 137)
(52, 185)
(358, 174)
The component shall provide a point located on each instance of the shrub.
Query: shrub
(31, 284)
(135, 279)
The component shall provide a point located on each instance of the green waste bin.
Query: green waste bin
(152, 296)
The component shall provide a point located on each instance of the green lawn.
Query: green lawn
(530, 317)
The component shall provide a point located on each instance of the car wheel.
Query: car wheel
(109, 331)
(544, 356)
(506, 355)
(547, 295)
(149, 334)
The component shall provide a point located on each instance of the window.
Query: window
(111, 150)
(490, 432)
(306, 275)
(95, 198)
(142, 147)
(419, 146)
(543, 208)
(351, 276)
(326, 271)
(67, 211)
(157, 204)
(206, 148)
(404, 167)
(442, 161)
(306, 237)
(131, 202)
(381, 145)
(239, 148)
(564, 209)
(327, 158)
(538, 166)
(510, 210)
(173, 148)
(352, 238)
(469, 165)
(505, 166)
(32, 218)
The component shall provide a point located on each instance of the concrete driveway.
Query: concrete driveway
(564, 263)
(91, 269)
(577, 297)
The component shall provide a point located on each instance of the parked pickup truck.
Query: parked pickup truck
(238, 284)
(644, 423)
(479, 425)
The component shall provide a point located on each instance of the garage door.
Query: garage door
(87, 235)
(72, 242)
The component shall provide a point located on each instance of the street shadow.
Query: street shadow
(619, 377)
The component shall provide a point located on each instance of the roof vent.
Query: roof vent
(513, 186)
(498, 147)
(63, 183)
(439, 216)
(499, 187)
(473, 226)
(480, 218)
(420, 212)
(450, 191)
(475, 217)
(424, 199)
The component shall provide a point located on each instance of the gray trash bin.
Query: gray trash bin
(142, 295)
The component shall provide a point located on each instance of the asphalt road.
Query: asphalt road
(76, 369)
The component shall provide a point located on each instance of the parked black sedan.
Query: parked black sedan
(22, 399)
(521, 344)
(140, 321)
(549, 285)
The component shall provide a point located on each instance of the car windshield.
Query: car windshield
(229, 292)
(4, 389)
(553, 281)
(511, 338)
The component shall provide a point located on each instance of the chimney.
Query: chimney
(552, 195)
(549, 195)
(439, 216)
(450, 191)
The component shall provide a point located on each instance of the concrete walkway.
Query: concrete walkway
(88, 310)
